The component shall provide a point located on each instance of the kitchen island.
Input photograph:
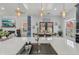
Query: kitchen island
(12, 46)
(61, 45)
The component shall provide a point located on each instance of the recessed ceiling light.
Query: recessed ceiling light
(2, 8)
(55, 9)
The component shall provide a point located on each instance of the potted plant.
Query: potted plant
(3, 34)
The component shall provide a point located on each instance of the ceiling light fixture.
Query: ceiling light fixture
(2, 8)
(55, 9)
(18, 9)
(64, 13)
(41, 14)
(18, 12)
(42, 10)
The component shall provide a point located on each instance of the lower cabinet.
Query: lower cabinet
(25, 50)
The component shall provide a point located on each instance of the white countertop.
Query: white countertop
(61, 45)
(11, 46)
(64, 47)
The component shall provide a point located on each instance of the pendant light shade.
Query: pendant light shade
(41, 14)
(42, 10)
(63, 14)
(18, 9)
(18, 12)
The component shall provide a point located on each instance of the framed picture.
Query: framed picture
(70, 28)
(50, 27)
(8, 23)
(42, 27)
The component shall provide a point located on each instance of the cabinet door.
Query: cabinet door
(29, 26)
(77, 19)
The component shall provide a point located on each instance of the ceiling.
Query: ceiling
(35, 8)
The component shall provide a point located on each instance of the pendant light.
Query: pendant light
(42, 10)
(64, 13)
(18, 11)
